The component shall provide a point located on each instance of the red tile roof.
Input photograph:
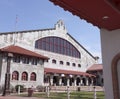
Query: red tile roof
(95, 67)
(19, 50)
(59, 71)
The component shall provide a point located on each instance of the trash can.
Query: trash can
(30, 92)
(78, 88)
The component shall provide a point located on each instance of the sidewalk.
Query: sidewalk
(17, 97)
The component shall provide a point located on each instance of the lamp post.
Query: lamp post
(6, 90)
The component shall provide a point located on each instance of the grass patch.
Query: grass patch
(73, 95)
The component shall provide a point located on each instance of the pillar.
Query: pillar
(92, 81)
(68, 82)
(81, 81)
(87, 83)
(51, 80)
(75, 81)
(60, 81)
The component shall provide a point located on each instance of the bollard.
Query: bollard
(68, 93)
(90, 87)
(18, 90)
(95, 97)
(48, 91)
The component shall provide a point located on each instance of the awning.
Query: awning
(101, 13)
(68, 72)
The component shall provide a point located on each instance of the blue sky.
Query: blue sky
(42, 14)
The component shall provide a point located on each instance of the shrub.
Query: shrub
(40, 88)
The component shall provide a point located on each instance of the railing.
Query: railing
(76, 88)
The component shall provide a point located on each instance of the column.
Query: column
(81, 81)
(87, 81)
(75, 81)
(68, 82)
(60, 81)
(51, 80)
(92, 81)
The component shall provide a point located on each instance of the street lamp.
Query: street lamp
(6, 90)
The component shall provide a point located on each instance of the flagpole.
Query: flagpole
(14, 35)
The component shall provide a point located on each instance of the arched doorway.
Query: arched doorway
(94, 81)
(56, 80)
(116, 76)
(71, 81)
(84, 81)
(78, 81)
(89, 81)
(64, 81)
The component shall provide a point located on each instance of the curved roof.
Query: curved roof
(19, 50)
(101, 13)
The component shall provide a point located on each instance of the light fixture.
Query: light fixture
(105, 17)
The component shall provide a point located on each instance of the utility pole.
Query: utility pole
(6, 90)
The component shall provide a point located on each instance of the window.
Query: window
(67, 63)
(5, 38)
(54, 61)
(79, 65)
(34, 61)
(15, 75)
(73, 64)
(24, 76)
(25, 60)
(21, 35)
(33, 76)
(57, 45)
(11, 37)
(61, 62)
(16, 59)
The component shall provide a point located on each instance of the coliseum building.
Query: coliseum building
(45, 57)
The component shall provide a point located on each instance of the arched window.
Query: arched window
(54, 61)
(15, 75)
(61, 62)
(33, 76)
(24, 76)
(73, 64)
(57, 45)
(67, 63)
(79, 65)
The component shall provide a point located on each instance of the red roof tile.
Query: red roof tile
(19, 50)
(95, 67)
(59, 71)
